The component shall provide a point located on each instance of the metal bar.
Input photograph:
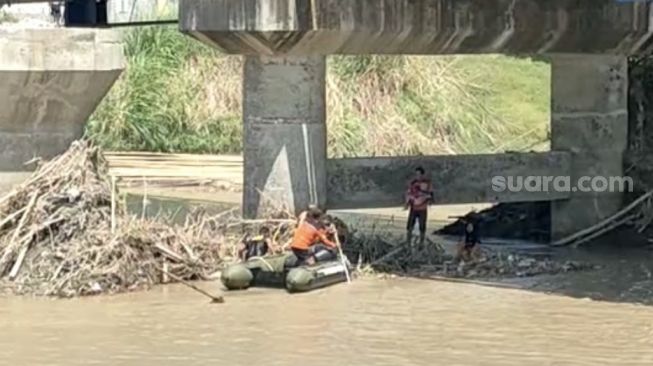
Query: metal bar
(143, 23)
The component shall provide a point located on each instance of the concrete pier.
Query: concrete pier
(51, 80)
(589, 111)
(284, 133)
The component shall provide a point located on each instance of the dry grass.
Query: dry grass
(183, 97)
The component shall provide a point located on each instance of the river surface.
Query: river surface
(369, 322)
(397, 321)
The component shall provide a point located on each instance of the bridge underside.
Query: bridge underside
(294, 27)
(284, 90)
(285, 146)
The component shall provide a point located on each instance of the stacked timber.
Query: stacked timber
(175, 169)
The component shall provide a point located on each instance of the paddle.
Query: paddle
(342, 255)
(214, 299)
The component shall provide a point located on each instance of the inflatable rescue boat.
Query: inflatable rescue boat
(271, 271)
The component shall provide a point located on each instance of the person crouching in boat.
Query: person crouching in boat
(256, 246)
(310, 243)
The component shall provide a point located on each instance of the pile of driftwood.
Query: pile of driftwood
(515, 220)
(380, 252)
(63, 233)
(430, 259)
(493, 265)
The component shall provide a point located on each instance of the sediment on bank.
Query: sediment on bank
(522, 221)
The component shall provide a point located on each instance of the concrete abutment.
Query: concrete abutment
(51, 81)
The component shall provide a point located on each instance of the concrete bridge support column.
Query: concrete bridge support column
(284, 133)
(590, 120)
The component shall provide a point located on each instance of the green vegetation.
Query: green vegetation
(6, 17)
(180, 96)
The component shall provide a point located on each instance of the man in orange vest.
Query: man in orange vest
(418, 197)
(310, 243)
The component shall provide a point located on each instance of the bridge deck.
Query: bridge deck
(293, 27)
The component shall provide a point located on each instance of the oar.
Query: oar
(342, 255)
(214, 299)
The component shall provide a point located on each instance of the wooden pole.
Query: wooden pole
(342, 256)
(144, 198)
(113, 204)
(164, 277)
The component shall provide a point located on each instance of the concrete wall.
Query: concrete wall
(589, 120)
(51, 80)
(418, 26)
(382, 182)
(122, 11)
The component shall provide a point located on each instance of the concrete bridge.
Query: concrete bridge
(285, 43)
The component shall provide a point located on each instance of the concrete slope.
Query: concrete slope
(51, 80)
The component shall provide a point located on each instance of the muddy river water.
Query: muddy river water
(368, 322)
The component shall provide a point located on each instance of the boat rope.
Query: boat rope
(264, 262)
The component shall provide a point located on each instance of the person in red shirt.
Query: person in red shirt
(418, 197)
(310, 243)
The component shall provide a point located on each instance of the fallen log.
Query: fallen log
(574, 237)
(11, 248)
(389, 255)
(612, 226)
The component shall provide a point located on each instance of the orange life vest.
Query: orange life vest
(307, 235)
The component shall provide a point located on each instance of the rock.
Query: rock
(96, 288)
(525, 263)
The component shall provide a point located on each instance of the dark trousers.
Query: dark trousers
(414, 217)
(254, 249)
(320, 252)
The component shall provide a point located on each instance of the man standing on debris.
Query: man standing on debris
(418, 197)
